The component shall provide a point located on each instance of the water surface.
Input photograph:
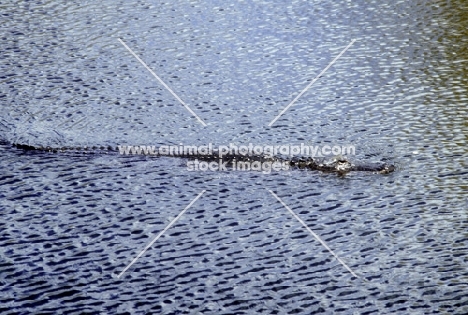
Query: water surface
(70, 222)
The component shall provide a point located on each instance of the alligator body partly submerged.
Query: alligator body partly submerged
(338, 164)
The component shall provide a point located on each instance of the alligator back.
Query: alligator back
(338, 164)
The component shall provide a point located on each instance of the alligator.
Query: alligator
(339, 164)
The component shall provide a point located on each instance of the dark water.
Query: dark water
(70, 223)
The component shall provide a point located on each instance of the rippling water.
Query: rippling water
(70, 223)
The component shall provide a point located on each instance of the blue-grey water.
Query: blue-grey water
(71, 222)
